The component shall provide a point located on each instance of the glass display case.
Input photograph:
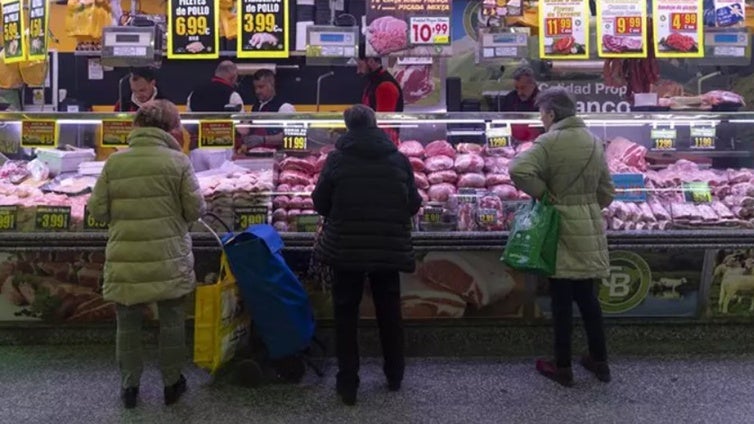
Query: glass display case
(682, 218)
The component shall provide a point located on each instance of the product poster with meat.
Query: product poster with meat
(263, 29)
(413, 28)
(646, 283)
(13, 30)
(732, 287)
(38, 29)
(678, 28)
(193, 29)
(419, 78)
(564, 29)
(621, 28)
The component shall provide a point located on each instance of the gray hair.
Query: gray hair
(557, 100)
(160, 114)
(226, 68)
(359, 117)
(523, 71)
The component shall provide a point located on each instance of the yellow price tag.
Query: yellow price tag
(10, 31)
(53, 218)
(91, 223)
(259, 22)
(247, 217)
(294, 142)
(498, 142)
(8, 218)
(191, 26)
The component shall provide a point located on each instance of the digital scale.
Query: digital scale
(332, 45)
(495, 46)
(727, 46)
(131, 46)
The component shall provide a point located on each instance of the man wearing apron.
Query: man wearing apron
(267, 101)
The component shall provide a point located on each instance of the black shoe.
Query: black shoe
(560, 375)
(394, 385)
(348, 396)
(174, 392)
(129, 396)
(600, 369)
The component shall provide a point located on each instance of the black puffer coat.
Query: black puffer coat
(367, 194)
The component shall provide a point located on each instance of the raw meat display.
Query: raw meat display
(440, 148)
(469, 163)
(621, 44)
(295, 177)
(506, 152)
(412, 149)
(472, 181)
(505, 192)
(297, 164)
(443, 177)
(319, 165)
(417, 164)
(496, 164)
(490, 214)
(497, 179)
(388, 34)
(421, 181)
(438, 163)
(416, 82)
(469, 148)
(441, 192)
(717, 97)
(623, 151)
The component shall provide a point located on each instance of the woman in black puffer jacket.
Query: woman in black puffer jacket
(366, 193)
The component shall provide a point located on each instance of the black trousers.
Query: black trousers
(347, 291)
(563, 293)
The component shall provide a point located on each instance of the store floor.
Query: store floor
(77, 384)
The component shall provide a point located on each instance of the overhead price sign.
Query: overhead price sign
(13, 31)
(678, 28)
(263, 29)
(408, 27)
(564, 29)
(621, 28)
(216, 134)
(193, 29)
(39, 133)
(39, 17)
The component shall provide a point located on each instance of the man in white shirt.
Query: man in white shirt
(267, 101)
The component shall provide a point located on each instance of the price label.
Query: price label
(39, 133)
(565, 25)
(247, 217)
(91, 223)
(703, 138)
(621, 29)
(498, 137)
(38, 29)
(432, 215)
(664, 139)
(678, 28)
(307, 223)
(193, 29)
(683, 21)
(49, 218)
(697, 192)
(217, 134)
(429, 30)
(294, 138)
(487, 216)
(115, 132)
(263, 29)
(13, 31)
(8, 216)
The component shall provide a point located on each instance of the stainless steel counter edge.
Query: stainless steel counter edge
(701, 239)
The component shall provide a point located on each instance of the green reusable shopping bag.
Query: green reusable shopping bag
(533, 241)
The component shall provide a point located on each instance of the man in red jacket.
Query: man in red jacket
(382, 92)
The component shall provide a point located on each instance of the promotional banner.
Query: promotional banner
(678, 28)
(621, 28)
(217, 134)
(193, 29)
(263, 29)
(39, 133)
(729, 13)
(13, 31)
(732, 287)
(647, 283)
(39, 16)
(408, 27)
(564, 29)
(115, 132)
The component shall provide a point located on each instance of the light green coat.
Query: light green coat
(149, 196)
(552, 165)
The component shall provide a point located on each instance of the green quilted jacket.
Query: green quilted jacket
(553, 165)
(149, 196)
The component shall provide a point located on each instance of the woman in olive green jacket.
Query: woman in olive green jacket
(149, 196)
(567, 164)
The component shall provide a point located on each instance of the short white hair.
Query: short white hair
(523, 71)
(557, 100)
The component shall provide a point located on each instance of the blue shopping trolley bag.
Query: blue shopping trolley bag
(278, 303)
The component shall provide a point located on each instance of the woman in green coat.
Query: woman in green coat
(149, 196)
(567, 163)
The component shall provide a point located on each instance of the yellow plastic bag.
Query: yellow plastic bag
(85, 19)
(34, 73)
(228, 23)
(221, 323)
(10, 76)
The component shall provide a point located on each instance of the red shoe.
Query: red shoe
(560, 375)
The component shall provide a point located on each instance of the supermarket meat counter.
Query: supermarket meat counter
(680, 229)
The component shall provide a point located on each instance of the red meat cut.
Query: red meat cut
(471, 181)
(438, 163)
(417, 164)
(440, 148)
(411, 148)
(442, 177)
(469, 163)
(388, 34)
(441, 192)
(416, 82)
(421, 181)
(627, 152)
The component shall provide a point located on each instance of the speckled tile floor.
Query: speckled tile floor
(77, 384)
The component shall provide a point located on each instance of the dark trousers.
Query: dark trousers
(347, 291)
(563, 293)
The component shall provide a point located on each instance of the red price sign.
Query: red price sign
(628, 25)
(429, 30)
(683, 21)
(558, 26)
